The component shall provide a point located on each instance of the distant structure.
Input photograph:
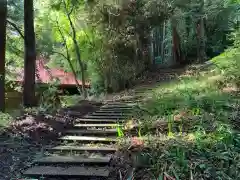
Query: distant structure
(45, 76)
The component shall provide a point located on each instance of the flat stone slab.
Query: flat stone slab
(104, 117)
(104, 114)
(88, 138)
(73, 160)
(84, 148)
(111, 113)
(112, 110)
(74, 113)
(72, 171)
(121, 104)
(92, 131)
(98, 125)
(116, 107)
(99, 120)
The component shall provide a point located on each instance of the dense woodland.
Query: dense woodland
(109, 43)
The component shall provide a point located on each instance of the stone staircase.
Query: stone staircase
(84, 151)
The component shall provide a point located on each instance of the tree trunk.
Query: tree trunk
(201, 41)
(163, 42)
(68, 58)
(82, 68)
(30, 55)
(3, 21)
(201, 49)
(77, 49)
(177, 54)
(188, 23)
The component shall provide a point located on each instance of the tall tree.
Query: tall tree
(30, 55)
(177, 54)
(201, 49)
(3, 23)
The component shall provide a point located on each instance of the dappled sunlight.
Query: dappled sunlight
(188, 85)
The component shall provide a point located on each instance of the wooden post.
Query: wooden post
(3, 23)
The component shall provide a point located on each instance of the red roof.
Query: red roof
(47, 75)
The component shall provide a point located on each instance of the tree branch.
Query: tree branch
(16, 28)
(68, 55)
(77, 49)
(71, 10)
(63, 55)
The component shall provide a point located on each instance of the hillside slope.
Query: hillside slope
(188, 128)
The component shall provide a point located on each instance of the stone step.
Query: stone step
(117, 107)
(97, 113)
(97, 125)
(68, 171)
(73, 160)
(111, 110)
(103, 117)
(97, 121)
(91, 149)
(112, 113)
(101, 132)
(136, 101)
(120, 104)
(88, 139)
(74, 114)
(143, 89)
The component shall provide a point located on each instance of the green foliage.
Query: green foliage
(5, 120)
(49, 99)
(124, 49)
(120, 132)
(221, 19)
(114, 36)
(201, 120)
(228, 63)
(187, 160)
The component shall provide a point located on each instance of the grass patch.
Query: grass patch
(5, 120)
(200, 120)
(70, 100)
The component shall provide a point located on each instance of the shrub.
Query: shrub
(228, 63)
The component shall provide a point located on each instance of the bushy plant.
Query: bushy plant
(228, 63)
(5, 119)
(49, 99)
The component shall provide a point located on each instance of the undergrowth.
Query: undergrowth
(199, 117)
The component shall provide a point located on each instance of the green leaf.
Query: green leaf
(175, 174)
(56, 6)
(202, 166)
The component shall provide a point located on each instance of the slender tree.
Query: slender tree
(177, 54)
(67, 57)
(3, 23)
(201, 41)
(30, 55)
(76, 46)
